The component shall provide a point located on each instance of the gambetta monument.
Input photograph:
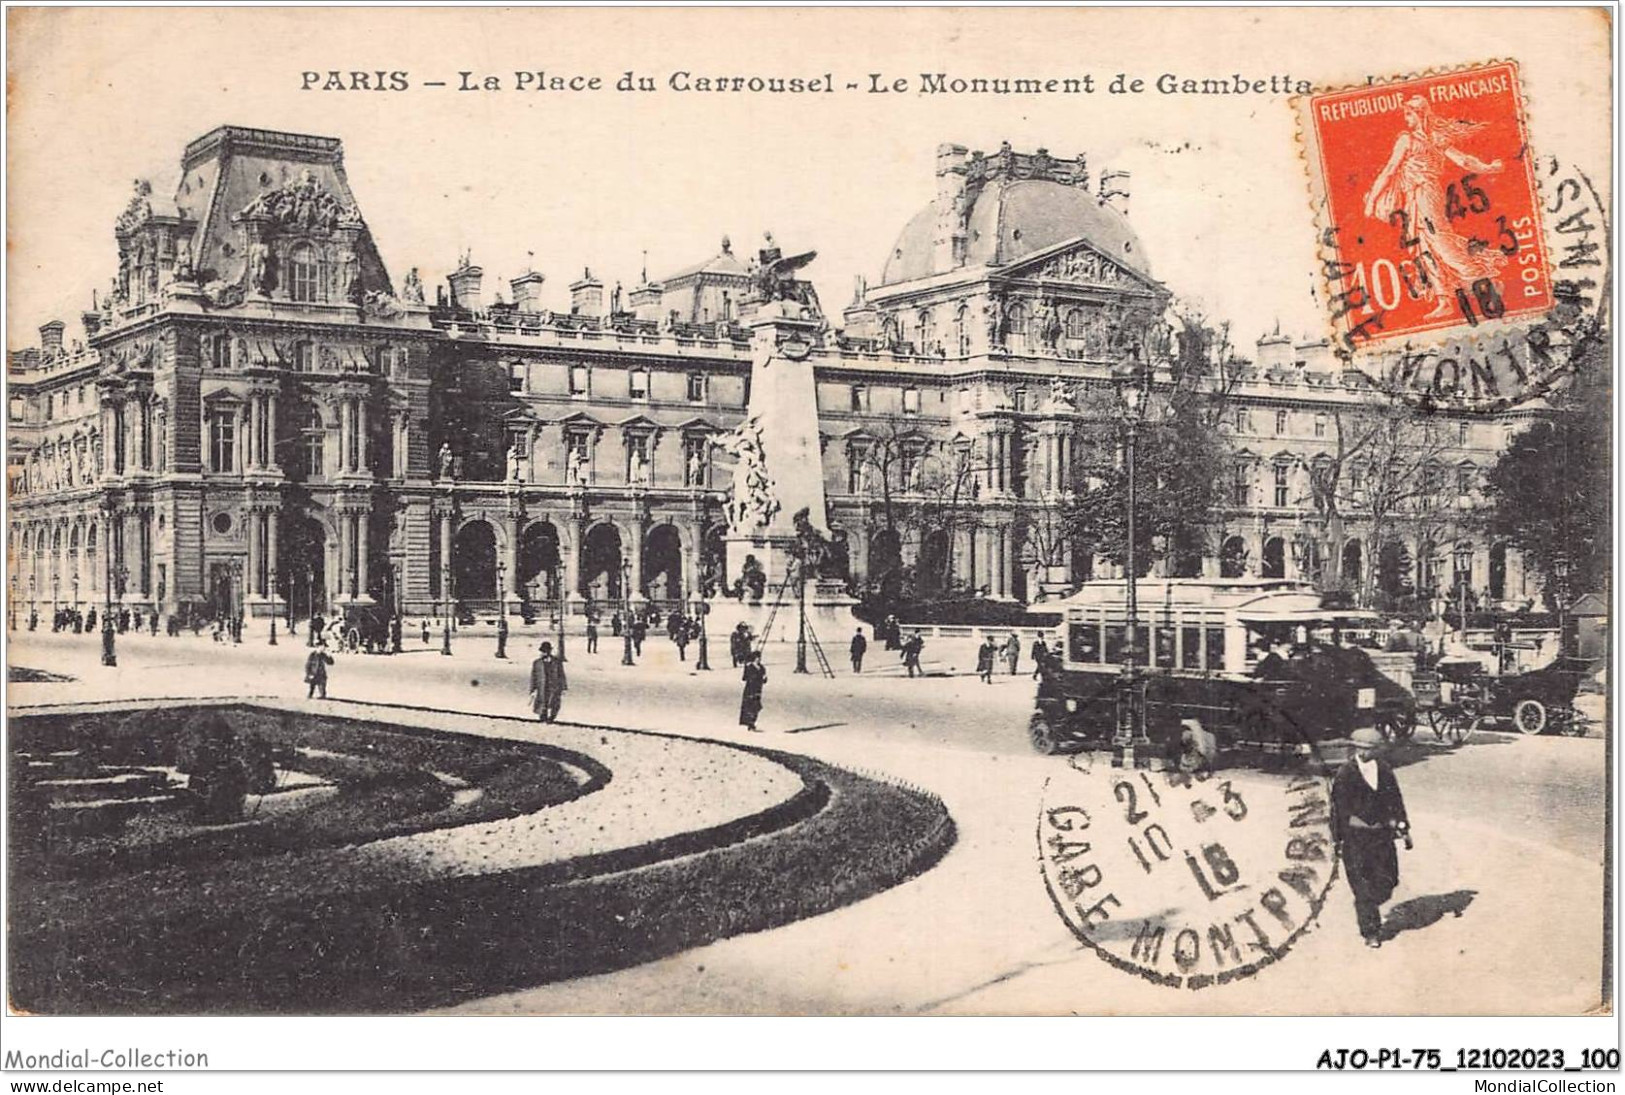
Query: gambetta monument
(778, 464)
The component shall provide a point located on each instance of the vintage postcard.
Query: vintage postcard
(811, 512)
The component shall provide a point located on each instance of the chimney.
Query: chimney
(92, 322)
(587, 296)
(465, 286)
(1274, 350)
(527, 291)
(948, 235)
(1114, 190)
(50, 338)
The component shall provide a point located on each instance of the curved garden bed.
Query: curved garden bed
(436, 918)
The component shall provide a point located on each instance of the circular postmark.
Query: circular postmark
(1462, 270)
(1188, 879)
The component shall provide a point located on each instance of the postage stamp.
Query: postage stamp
(1460, 267)
(1188, 879)
(1431, 186)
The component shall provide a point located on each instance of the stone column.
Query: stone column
(516, 523)
(445, 519)
(273, 559)
(570, 545)
(361, 436)
(252, 583)
(145, 526)
(342, 571)
(639, 529)
(363, 524)
(270, 437)
(1007, 552)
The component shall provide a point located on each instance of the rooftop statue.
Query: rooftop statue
(775, 275)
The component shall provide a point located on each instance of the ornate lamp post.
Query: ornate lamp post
(564, 603)
(33, 604)
(115, 577)
(395, 608)
(236, 571)
(502, 610)
(626, 614)
(701, 611)
(271, 579)
(445, 621)
(1131, 733)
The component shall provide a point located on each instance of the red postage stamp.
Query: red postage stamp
(1430, 216)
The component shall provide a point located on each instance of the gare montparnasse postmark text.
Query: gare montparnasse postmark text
(684, 81)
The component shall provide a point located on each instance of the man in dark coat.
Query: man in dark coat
(911, 654)
(640, 631)
(592, 634)
(316, 672)
(502, 635)
(755, 677)
(547, 685)
(1368, 812)
(739, 644)
(859, 646)
(1040, 654)
(984, 659)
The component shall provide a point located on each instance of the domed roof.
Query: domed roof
(1014, 218)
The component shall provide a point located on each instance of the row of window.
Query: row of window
(66, 402)
(221, 351)
(1322, 426)
(1433, 481)
(1181, 647)
(697, 388)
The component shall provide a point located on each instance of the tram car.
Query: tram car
(1247, 663)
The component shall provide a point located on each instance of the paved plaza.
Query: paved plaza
(1497, 910)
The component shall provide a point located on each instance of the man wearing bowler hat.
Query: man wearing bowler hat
(1368, 815)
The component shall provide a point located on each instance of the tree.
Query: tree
(1549, 493)
(1181, 455)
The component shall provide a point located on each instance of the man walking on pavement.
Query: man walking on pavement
(1012, 652)
(1368, 813)
(502, 636)
(547, 685)
(592, 634)
(1040, 653)
(859, 646)
(911, 654)
(985, 655)
(640, 631)
(316, 672)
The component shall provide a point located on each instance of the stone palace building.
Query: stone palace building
(260, 417)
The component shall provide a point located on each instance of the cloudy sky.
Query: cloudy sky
(102, 96)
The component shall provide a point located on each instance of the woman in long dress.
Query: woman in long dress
(750, 704)
(1413, 182)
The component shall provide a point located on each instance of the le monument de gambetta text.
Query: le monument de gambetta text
(826, 83)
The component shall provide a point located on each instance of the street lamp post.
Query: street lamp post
(626, 614)
(395, 609)
(236, 570)
(445, 621)
(701, 611)
(1131, 733)
(564, 603)
(801, 609)
(271, 577)
(33, 604)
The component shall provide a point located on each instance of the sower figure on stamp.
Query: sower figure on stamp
(1368, 814)
(547, 685)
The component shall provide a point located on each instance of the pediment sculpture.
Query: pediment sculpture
(303, 204)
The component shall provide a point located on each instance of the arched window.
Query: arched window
(1076, 324)
(304, 274)
(315, 445)
(927, 330)
(962, 331)
(1018, 325)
